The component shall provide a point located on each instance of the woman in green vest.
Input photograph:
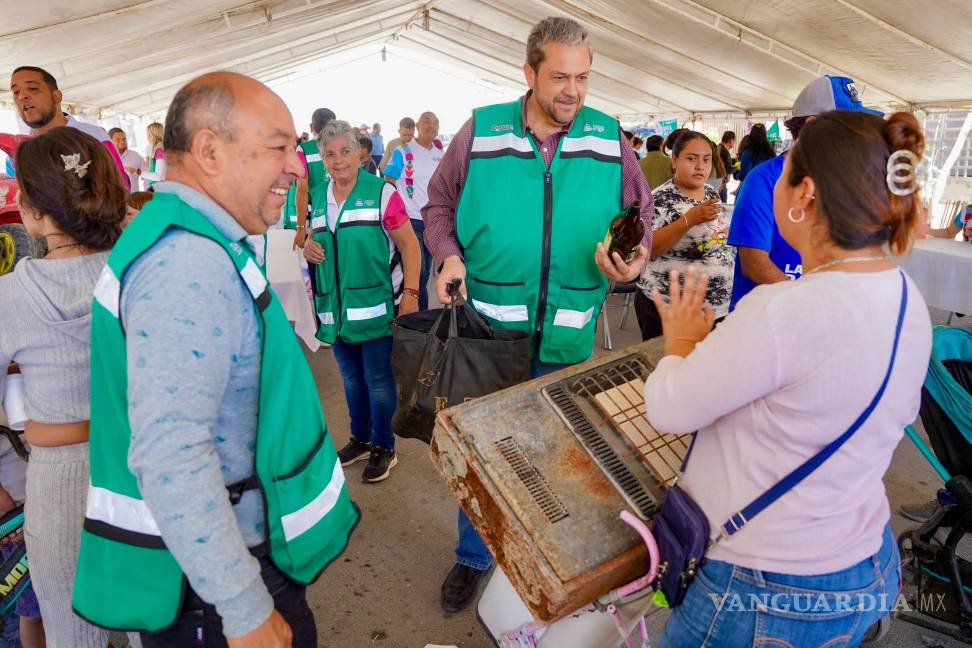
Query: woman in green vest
(70, 195)
(367, 262)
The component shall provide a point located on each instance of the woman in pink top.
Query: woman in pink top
(787, 373)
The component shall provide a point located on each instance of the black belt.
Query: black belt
(236, 489)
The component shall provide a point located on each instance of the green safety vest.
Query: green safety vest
(316, 175)
(529, 234)
(353, 292)
(126, 578)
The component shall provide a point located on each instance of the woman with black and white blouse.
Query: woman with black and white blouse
(690, 228)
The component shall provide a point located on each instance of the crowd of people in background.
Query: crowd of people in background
(157, 516)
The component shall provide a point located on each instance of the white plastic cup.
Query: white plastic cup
(14, 402)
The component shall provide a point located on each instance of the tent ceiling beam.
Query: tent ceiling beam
(473, 29)
(522, 47)
(173, 39)
(159, 100)
(81, 20)
(423, 10)
(762, 42)
(514, 83)
(252, 59)
(691, 88)
(584, 14)
(617, 99)
(280, 41)
(911, 38)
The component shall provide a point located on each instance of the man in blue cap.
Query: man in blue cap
(762, 256)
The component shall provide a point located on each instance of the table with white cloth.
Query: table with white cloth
(942, 270)
(285, 269)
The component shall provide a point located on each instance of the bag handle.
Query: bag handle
(472, 316)
(740, 519)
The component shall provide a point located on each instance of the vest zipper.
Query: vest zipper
(545, 258)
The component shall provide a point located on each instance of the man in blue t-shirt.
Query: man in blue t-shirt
(762, 256)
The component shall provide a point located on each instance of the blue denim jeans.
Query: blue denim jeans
(471, 551)
(369, 388)
(419, 228)
(728, 606)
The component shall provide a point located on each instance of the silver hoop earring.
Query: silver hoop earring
(789, 215)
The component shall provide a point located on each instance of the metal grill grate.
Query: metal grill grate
(534, 482)
(605, 409)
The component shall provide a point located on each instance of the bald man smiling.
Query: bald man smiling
(210, 458)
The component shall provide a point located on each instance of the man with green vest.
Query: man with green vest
(298, 197)
(519, 208)
(216, 493)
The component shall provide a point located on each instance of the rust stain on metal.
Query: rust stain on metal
(576, 461)
(546, 596)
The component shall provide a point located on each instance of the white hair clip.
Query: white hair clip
(72, 163)
(902, 177)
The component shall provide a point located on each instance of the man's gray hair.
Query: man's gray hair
(555, 29)
(334, 130)
(198, 105)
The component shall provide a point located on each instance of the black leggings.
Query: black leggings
(648, 319)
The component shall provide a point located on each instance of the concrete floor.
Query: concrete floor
(384, 591)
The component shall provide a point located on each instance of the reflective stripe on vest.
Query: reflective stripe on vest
(120, 511)
(573, 318)
(506, 144)
(367, 313)
(107, 291)
(360, 216)
(591, 146)
(304, 518)
(513, 313)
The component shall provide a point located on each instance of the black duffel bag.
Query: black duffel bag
(446, 356)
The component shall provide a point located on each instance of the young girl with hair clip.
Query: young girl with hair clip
(689, 228)
(71, 196)
(834, 360)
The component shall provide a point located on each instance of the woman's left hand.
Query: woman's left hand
(686, 318)
(409, 304)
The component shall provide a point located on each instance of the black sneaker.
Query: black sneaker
(379, 465)
(354, 451)
(460, 587)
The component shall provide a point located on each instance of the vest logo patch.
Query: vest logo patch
(369, 203)
(593, 127)
(499, 128)
(359, 203)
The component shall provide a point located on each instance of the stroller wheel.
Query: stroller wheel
(877, 631)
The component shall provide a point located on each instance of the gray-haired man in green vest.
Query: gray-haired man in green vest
(518, 209)
(216, 493)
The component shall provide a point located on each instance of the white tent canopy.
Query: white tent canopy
(651, 57)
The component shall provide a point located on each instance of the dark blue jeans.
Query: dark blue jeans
(471, 551)
(419, 228)
(728, 606)
(369, 388)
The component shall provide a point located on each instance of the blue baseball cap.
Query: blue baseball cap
(827, 93)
